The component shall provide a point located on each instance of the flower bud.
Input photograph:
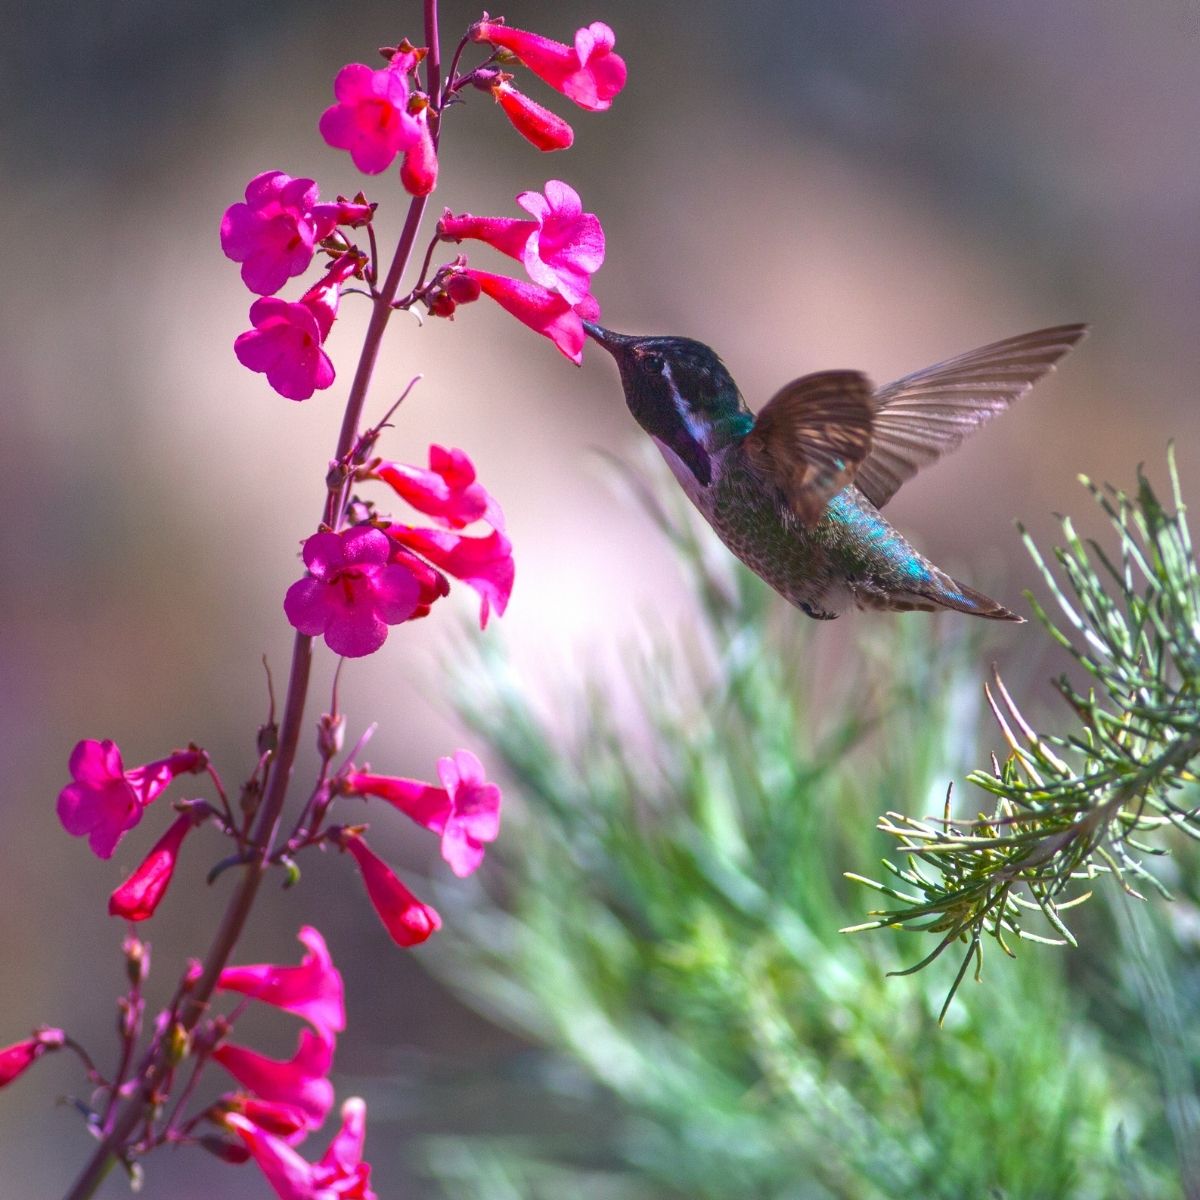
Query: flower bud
(331, 735)
(137, 960)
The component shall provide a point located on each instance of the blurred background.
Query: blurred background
(801, 185)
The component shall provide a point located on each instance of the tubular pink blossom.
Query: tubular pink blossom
(340, 1173)
(587, 72)
(299, 1082)
(407, 919)
(138, 897)
(561, 248)
(16, 1059)
(370, 118)
(419, 171)
(544, 311)
(275, 232)
(447, 491)
(464, 811)
(285, 345)
(313, 990)
(483, 563)
(104, 800)
(534, 123)
(352, 592)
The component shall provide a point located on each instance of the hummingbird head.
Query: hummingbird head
(680, 393)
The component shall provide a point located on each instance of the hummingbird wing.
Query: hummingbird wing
(811, 436)
(922, 416)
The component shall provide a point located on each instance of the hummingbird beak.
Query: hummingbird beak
(615, 343)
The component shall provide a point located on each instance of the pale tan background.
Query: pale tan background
(803, 185)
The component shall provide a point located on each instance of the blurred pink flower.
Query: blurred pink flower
(16, 1059)
(371, 118)
(340, 1175)
(313, 990)
(544, 311)
(300, 1082)
(352, 592)
(104, 800)
(561, 248)
(483, 563)
(138, 897)
(275, 232)
(283, 1120)
(587, 72)
(464, 811)
(537, 125)
(447, 491)
(407, 919)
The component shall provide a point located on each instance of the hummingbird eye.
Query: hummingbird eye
(653, 363)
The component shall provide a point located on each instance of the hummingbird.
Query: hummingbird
(795, 490)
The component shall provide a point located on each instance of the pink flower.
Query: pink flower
(446, 491)
(16, 1059)
(535, 124)
(404, 916)
(104, 800)
(138, 897)
(283, 1120)
(544, 311)
(299, 1082)
(419, 171)
(352, 592)
(464, 811)
(483, 563)
(561, 248)
(340, 1175)
(433, 584)
(313, 990)
(274, 234)
(588, 72)
(285, 345)
(371, 118)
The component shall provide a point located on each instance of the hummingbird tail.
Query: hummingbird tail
(949, 593)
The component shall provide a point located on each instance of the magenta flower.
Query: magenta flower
(300, 1082)
(561, 248)
(544, 311)
(588, 72)
(464, 811)
(419, 170)
(483, 563)
(407, 919)
(341, 1173)
(313, 990)
(104, 800)
(535, 124)
(16, 1059)
(447, 491)
(138, 897)
(371, 118)
(352, 592)
(275, 233)
(285, 345)
(280, 1119)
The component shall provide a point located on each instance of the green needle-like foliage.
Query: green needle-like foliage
(1095, 801)
(667, 897)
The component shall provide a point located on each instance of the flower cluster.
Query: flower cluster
(280, 1102)
(382, 114)
(381, 573)
(365, 571)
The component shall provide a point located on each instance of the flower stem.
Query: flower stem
(156, 1070)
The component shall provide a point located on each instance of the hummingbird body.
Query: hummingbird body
(777, 488)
